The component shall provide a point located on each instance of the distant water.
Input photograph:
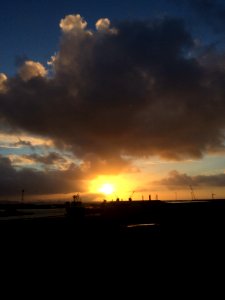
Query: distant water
(32, 213)
(142, 225)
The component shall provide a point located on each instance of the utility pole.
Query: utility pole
(22, 196)
(192, 193)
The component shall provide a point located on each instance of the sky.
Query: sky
(112, 99)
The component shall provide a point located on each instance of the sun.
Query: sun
(111, 186)
(107, 189)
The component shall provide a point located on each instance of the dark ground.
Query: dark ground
(154, 225)
(184, 242)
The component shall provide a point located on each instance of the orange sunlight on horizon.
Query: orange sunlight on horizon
(112, 187)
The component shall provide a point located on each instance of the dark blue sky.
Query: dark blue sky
(29, 29)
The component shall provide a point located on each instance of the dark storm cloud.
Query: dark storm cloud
(133, 90)
(178, 180)
(38, 182)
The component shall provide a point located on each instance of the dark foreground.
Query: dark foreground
(135, 240)
(155, 225)
(107, 244)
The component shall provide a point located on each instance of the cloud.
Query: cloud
(3, 80)
(31, 69)
(22, 143)
(49, 159)
(12, 181)
(135, 93)
(72, 22)
(102, 24)
(92, 164)
(57, 175)
(179, 180)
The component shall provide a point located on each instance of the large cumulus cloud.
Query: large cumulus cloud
(131, 90)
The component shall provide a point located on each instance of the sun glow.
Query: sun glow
(112, 187)
(107, 189)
